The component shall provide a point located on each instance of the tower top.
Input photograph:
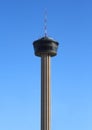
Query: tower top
(45, 46)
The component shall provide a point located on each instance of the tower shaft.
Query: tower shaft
(45, 92)
(45, 48)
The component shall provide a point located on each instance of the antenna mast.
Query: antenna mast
(45, 23)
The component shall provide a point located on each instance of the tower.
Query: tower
(45, 48)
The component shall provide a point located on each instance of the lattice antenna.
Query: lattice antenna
(45, 23)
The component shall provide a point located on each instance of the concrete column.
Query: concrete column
(45, 92)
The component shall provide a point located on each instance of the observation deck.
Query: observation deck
(45, 46)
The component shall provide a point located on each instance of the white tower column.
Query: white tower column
(45, 92)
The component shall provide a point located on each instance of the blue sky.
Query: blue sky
(70, 23)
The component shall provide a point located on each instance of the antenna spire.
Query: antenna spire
(45, 23)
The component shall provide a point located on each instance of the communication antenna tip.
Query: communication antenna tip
(45, 23)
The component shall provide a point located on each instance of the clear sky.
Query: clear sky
(70, 23)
